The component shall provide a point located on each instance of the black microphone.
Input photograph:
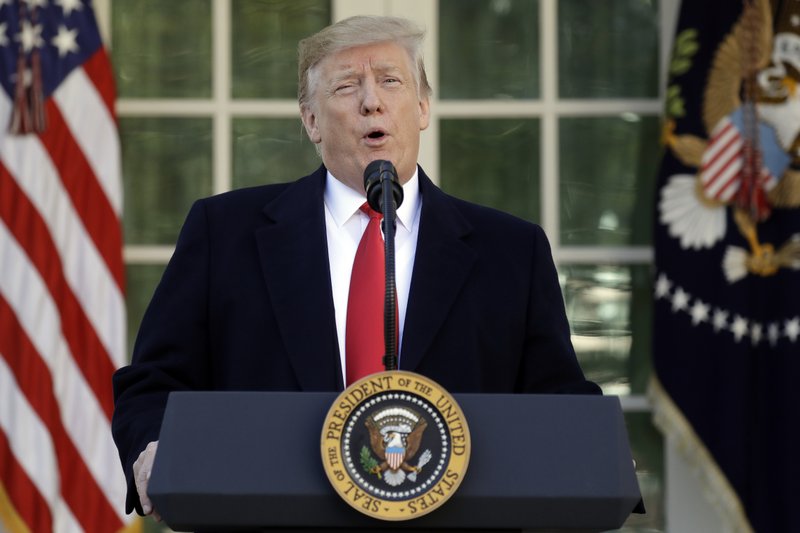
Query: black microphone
(380, 177)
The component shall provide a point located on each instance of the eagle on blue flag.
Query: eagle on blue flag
(727, 255)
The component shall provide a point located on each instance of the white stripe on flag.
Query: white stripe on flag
(63, 519)
(731, 154)
(720, 139)
(83, 418)
(32, 447)
(94, 130)
(724, 153)
(727, 182)
(87, 274)
(28, 438)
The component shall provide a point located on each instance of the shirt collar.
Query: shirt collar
(343, 202)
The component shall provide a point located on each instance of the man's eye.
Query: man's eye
(344, 87)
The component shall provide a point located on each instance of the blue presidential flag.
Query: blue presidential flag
(727, 254)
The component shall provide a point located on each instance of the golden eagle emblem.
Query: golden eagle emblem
(395, 437)
(750, 157)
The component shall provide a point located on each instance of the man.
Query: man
(256, 294)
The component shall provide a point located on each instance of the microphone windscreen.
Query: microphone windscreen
(373, 177)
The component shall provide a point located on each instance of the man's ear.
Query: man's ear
(424, 112)
(310, 123)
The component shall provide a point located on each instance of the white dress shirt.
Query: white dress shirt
(344, 224)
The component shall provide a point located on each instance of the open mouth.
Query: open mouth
(376, 134)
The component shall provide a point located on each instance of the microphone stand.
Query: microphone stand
(390, 361)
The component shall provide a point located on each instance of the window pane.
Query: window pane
(647, 446)
(162, 49)
(609, 308)
(142, 281)
(608, 167)
(608, 49)
(166, 165)
(488, 49)
(264, 48)
(494, 162)
(271, 151)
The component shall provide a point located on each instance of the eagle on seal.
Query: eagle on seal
(395, 437)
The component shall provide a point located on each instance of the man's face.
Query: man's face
(366, 106)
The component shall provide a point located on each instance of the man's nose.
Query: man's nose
(370, 101)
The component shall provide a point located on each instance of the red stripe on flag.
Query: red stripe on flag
(717, 156)
(28, 502)
(733, 179)
(98, 68)
(715, 138)
(87, 196)
(31, 233)
(82, 324)
(79, 489)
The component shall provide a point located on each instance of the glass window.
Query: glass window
(609, 311)
(272, 150)
(494, 162)
(162, 49)
(166, 165)
(608, 49)
(489, 49)
(142, 281)
(607, 173)
(264, 37)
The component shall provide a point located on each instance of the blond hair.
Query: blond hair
(358, 31)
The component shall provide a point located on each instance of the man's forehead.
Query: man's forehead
(378, 57)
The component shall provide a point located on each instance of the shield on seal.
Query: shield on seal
(395, 454)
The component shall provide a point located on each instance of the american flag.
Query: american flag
(62, 306)
(723, 161)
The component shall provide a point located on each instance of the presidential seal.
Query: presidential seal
(395, 445)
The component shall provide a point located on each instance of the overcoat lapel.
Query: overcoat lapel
(294, 258)
(441, 266)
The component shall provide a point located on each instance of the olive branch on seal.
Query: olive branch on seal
(368, 462)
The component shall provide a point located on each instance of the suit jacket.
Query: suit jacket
(245, 303)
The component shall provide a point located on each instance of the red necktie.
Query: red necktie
(364, 343)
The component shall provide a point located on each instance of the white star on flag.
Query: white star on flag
(3, 36)
(69, 6)
(32, 4)
(756, 332)
(663, 285)
(720, 319)
(30, 37)
(739, 327)
(773, 333)
(699, 312)
(680, 300)
(793, 328)
(65, 41)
